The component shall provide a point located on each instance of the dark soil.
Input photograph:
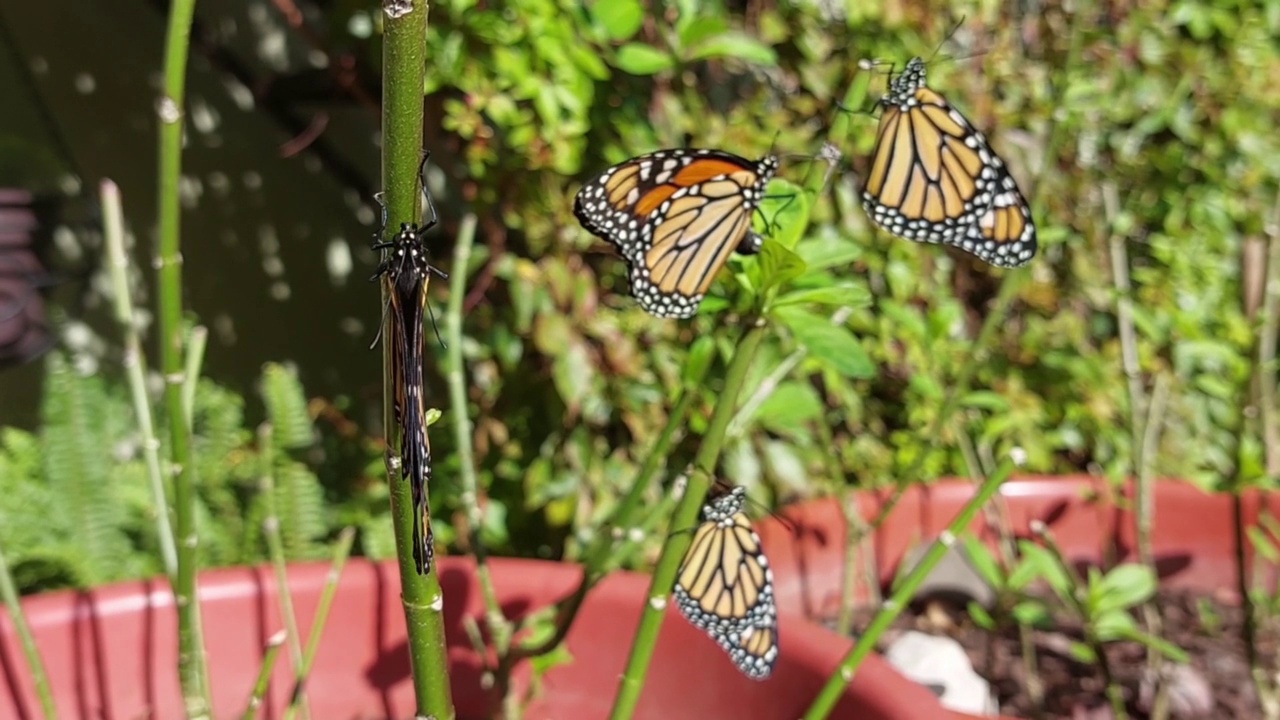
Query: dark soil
(1215, 686)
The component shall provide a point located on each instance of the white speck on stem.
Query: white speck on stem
(658, 603)
(169, 111)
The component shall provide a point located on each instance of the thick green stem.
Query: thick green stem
(889, 611)
(685, 516)
(404, 58)
(135, 366)
(9, 593)
(191, 655)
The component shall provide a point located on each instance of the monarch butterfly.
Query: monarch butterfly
(408, 270)
(675, 216)
(934, 178)
(725, 587)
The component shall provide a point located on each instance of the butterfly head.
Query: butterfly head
(902, 90)
(724, 507)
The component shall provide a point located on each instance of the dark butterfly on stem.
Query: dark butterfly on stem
(408, 269)
(934, 178)
(725, 587)
(675, 216)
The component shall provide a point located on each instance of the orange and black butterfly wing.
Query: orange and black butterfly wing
(934, 178)
(725, 586)
(676, 216)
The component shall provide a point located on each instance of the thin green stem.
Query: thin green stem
(499, 629)
(685, 516)
(197, 339)
(907, 587)
(135, 365)
(9, 591)
(404, 59)
(341, 551)
(263, 681)
(275, 547)
(191, 653)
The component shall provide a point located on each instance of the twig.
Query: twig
(135, 365)
(906, 589)
(196, 341)
(275, 548)
(264, 675)
(341, 551)
(192, 673)
(32, 652)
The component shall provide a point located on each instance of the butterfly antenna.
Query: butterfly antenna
(386, 310)
(432, 314)
(382, 227)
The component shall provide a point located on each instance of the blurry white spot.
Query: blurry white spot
(280, 290)
(204, 118)
(318, 59)
(273, 50)
(658, 603)
(225, 328)
(70, 184)
(189, 190)
(1018, 456)
(219, 183)
(239, 94)
(351, 326)
(268, 243)
(366, 215)
(360, 25)
(337, 257)
(272, 266)
(39, 65)
(85, 84)
(168, 111)
(67, 243)
(252, 181)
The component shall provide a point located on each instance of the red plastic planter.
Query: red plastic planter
(1193, 536)
(111, 652)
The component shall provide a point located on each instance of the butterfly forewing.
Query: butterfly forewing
(934, 178)
(675, 216)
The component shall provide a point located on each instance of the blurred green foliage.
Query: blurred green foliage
(1150, 122)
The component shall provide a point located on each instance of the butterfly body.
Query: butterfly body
(408, 269)
(725, 587)
(934, 178)
(675, 216)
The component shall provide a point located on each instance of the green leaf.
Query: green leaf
(621, 19)
(981, 617)
(1032, 613)
(1083, 653)
(784, 213)
(1038, 562)
(734, 45)
(827, 251)
(640, 59)
(832, 344)
(1112, 626)
(1126, 586)
(701, 28)
(778, 265)
(699, 360)
(985, 400)
(791, 405)
(846, 295)
(286, 407)
(983, 561)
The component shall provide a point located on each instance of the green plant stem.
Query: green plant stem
(39, 679)
(135, 366)
(191, 654)
(499, 629)
(1009, 286)
(341, 551)
(404, 59)
(889, 611)
(1073, 597)
(196, 341)
(685, 516)
(275, 549)
(263, 681)
(605, 552)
